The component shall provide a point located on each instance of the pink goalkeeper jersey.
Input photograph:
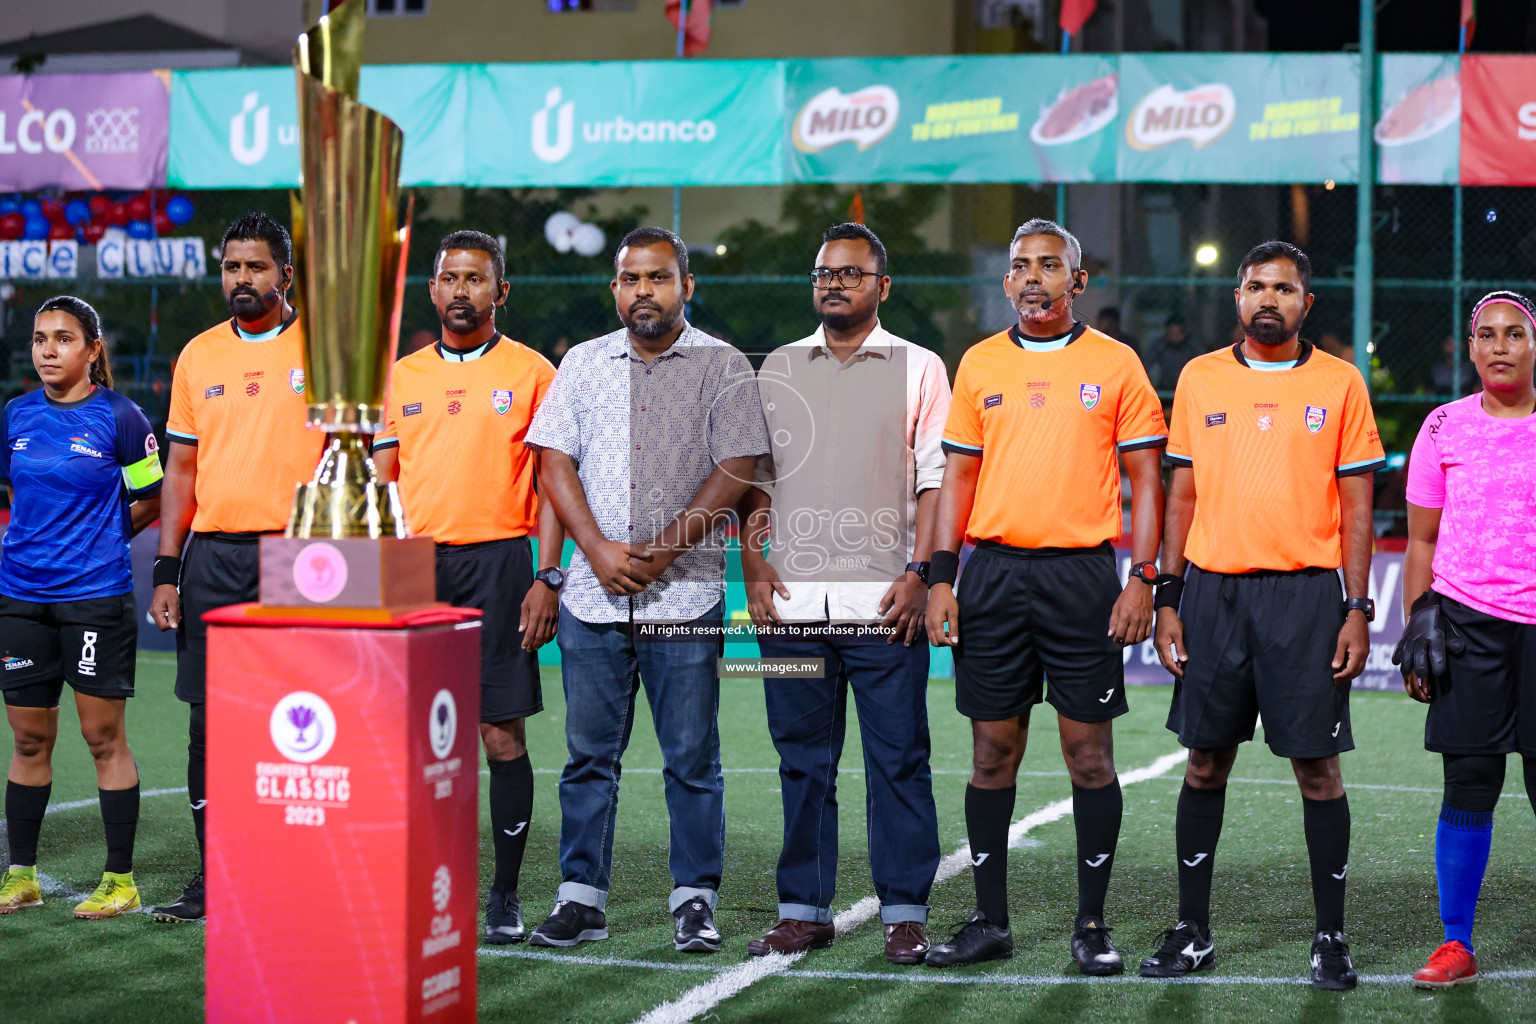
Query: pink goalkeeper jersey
(1482, 471)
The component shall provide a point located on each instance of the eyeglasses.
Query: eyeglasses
(848, 277)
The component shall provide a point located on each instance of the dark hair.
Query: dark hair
(850, 232)
(475, 241)
(258, 227)
(655, 236)
(1272, 250)
(1502, 296)
(90, 325)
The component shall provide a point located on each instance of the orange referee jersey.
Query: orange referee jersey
(242, 404)
(1048, 426)
(1267, 448)
(465, 475)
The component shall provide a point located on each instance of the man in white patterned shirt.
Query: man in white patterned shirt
(647, 439)
(847, 499)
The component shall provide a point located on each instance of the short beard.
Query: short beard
(1039, 314)
(659, 326)
(476, 320)
(1269, 332)
(251, 307)
(840, 319)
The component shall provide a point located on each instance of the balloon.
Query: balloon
(98, 205)
(12, 226)
(53, 210)
(77, 212)
(587, 239)
(61, 233)
(91, 232)
(8, 205)
(37, 228)
(32, 208)
(558, 229)
(179, 210)
(139, 208)
(117, 215)
(163, 224)
(141, 229)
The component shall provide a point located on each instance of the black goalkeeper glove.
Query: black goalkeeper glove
(1426, 639)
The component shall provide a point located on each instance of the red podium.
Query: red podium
(343, 797)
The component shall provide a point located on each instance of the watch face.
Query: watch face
(554, 577)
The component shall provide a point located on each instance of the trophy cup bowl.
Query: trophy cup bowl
(349, 256)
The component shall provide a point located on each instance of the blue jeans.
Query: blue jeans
(807, 718)
(603, 668)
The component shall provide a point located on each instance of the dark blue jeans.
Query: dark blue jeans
(807, 718)
(603, 668)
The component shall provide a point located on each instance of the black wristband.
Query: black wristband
(1170, 589)
(943, 567)
(167, 571)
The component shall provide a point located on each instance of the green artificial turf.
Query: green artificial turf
(56, 969)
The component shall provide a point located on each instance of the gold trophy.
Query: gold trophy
(349, 256)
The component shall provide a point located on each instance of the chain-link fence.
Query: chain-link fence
(1142, 245)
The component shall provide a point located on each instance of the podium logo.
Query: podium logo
(302, 727)
(442, 888)
(443, 724)
(320, 572)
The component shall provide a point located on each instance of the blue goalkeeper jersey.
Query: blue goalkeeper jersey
(74, 468)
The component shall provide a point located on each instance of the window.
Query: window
(396, 8)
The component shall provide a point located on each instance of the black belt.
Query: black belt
(479, 545)
(1013, 552)
(238, 538)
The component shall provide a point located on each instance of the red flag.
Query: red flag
(1468, 19)
(1075, 14)
(696, 35)
(856, 208)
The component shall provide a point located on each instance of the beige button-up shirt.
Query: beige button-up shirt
(852, 446)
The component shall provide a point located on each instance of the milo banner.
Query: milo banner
(1498, 123)
(951, 119)
(1246, 118)
(239, 128)
(1417, 129)
(645, 123)
(83, 131)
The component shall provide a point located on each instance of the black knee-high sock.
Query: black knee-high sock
(120, 817)
(1197, 829)
(1530, 780)
(24, 810)
(1327, 827)
(1096, 813)
(511, 816)
(197, 770)
(988, 813)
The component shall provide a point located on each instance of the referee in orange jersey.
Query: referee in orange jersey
(458, 412)
(238, 445)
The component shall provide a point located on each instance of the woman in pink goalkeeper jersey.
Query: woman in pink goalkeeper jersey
(1469, 588)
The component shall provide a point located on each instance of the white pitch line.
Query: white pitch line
(931, 977)
(731, 981)
(75, 805)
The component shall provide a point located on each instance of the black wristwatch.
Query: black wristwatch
(1145, 571)
(921, 568)
(553, 577)
(1361, 604)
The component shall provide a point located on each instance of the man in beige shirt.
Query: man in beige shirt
(846, 500)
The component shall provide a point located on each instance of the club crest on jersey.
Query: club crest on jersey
(1315, 418)
(296, 381)
(501, 401)
(1089, 393)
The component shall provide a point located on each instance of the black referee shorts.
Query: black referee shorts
(1028, 615)
(217, 569)
(494, 576)
(1262, 644)
(1486, 704)
(91, 644)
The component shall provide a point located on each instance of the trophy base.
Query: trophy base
(387, 575)
(345, 499)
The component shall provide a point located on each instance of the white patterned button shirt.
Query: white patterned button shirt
(645, 437)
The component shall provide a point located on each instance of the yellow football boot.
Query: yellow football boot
(115, 895)
(19, 890)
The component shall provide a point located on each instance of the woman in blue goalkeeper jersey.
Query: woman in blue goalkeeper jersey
(83, 471)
